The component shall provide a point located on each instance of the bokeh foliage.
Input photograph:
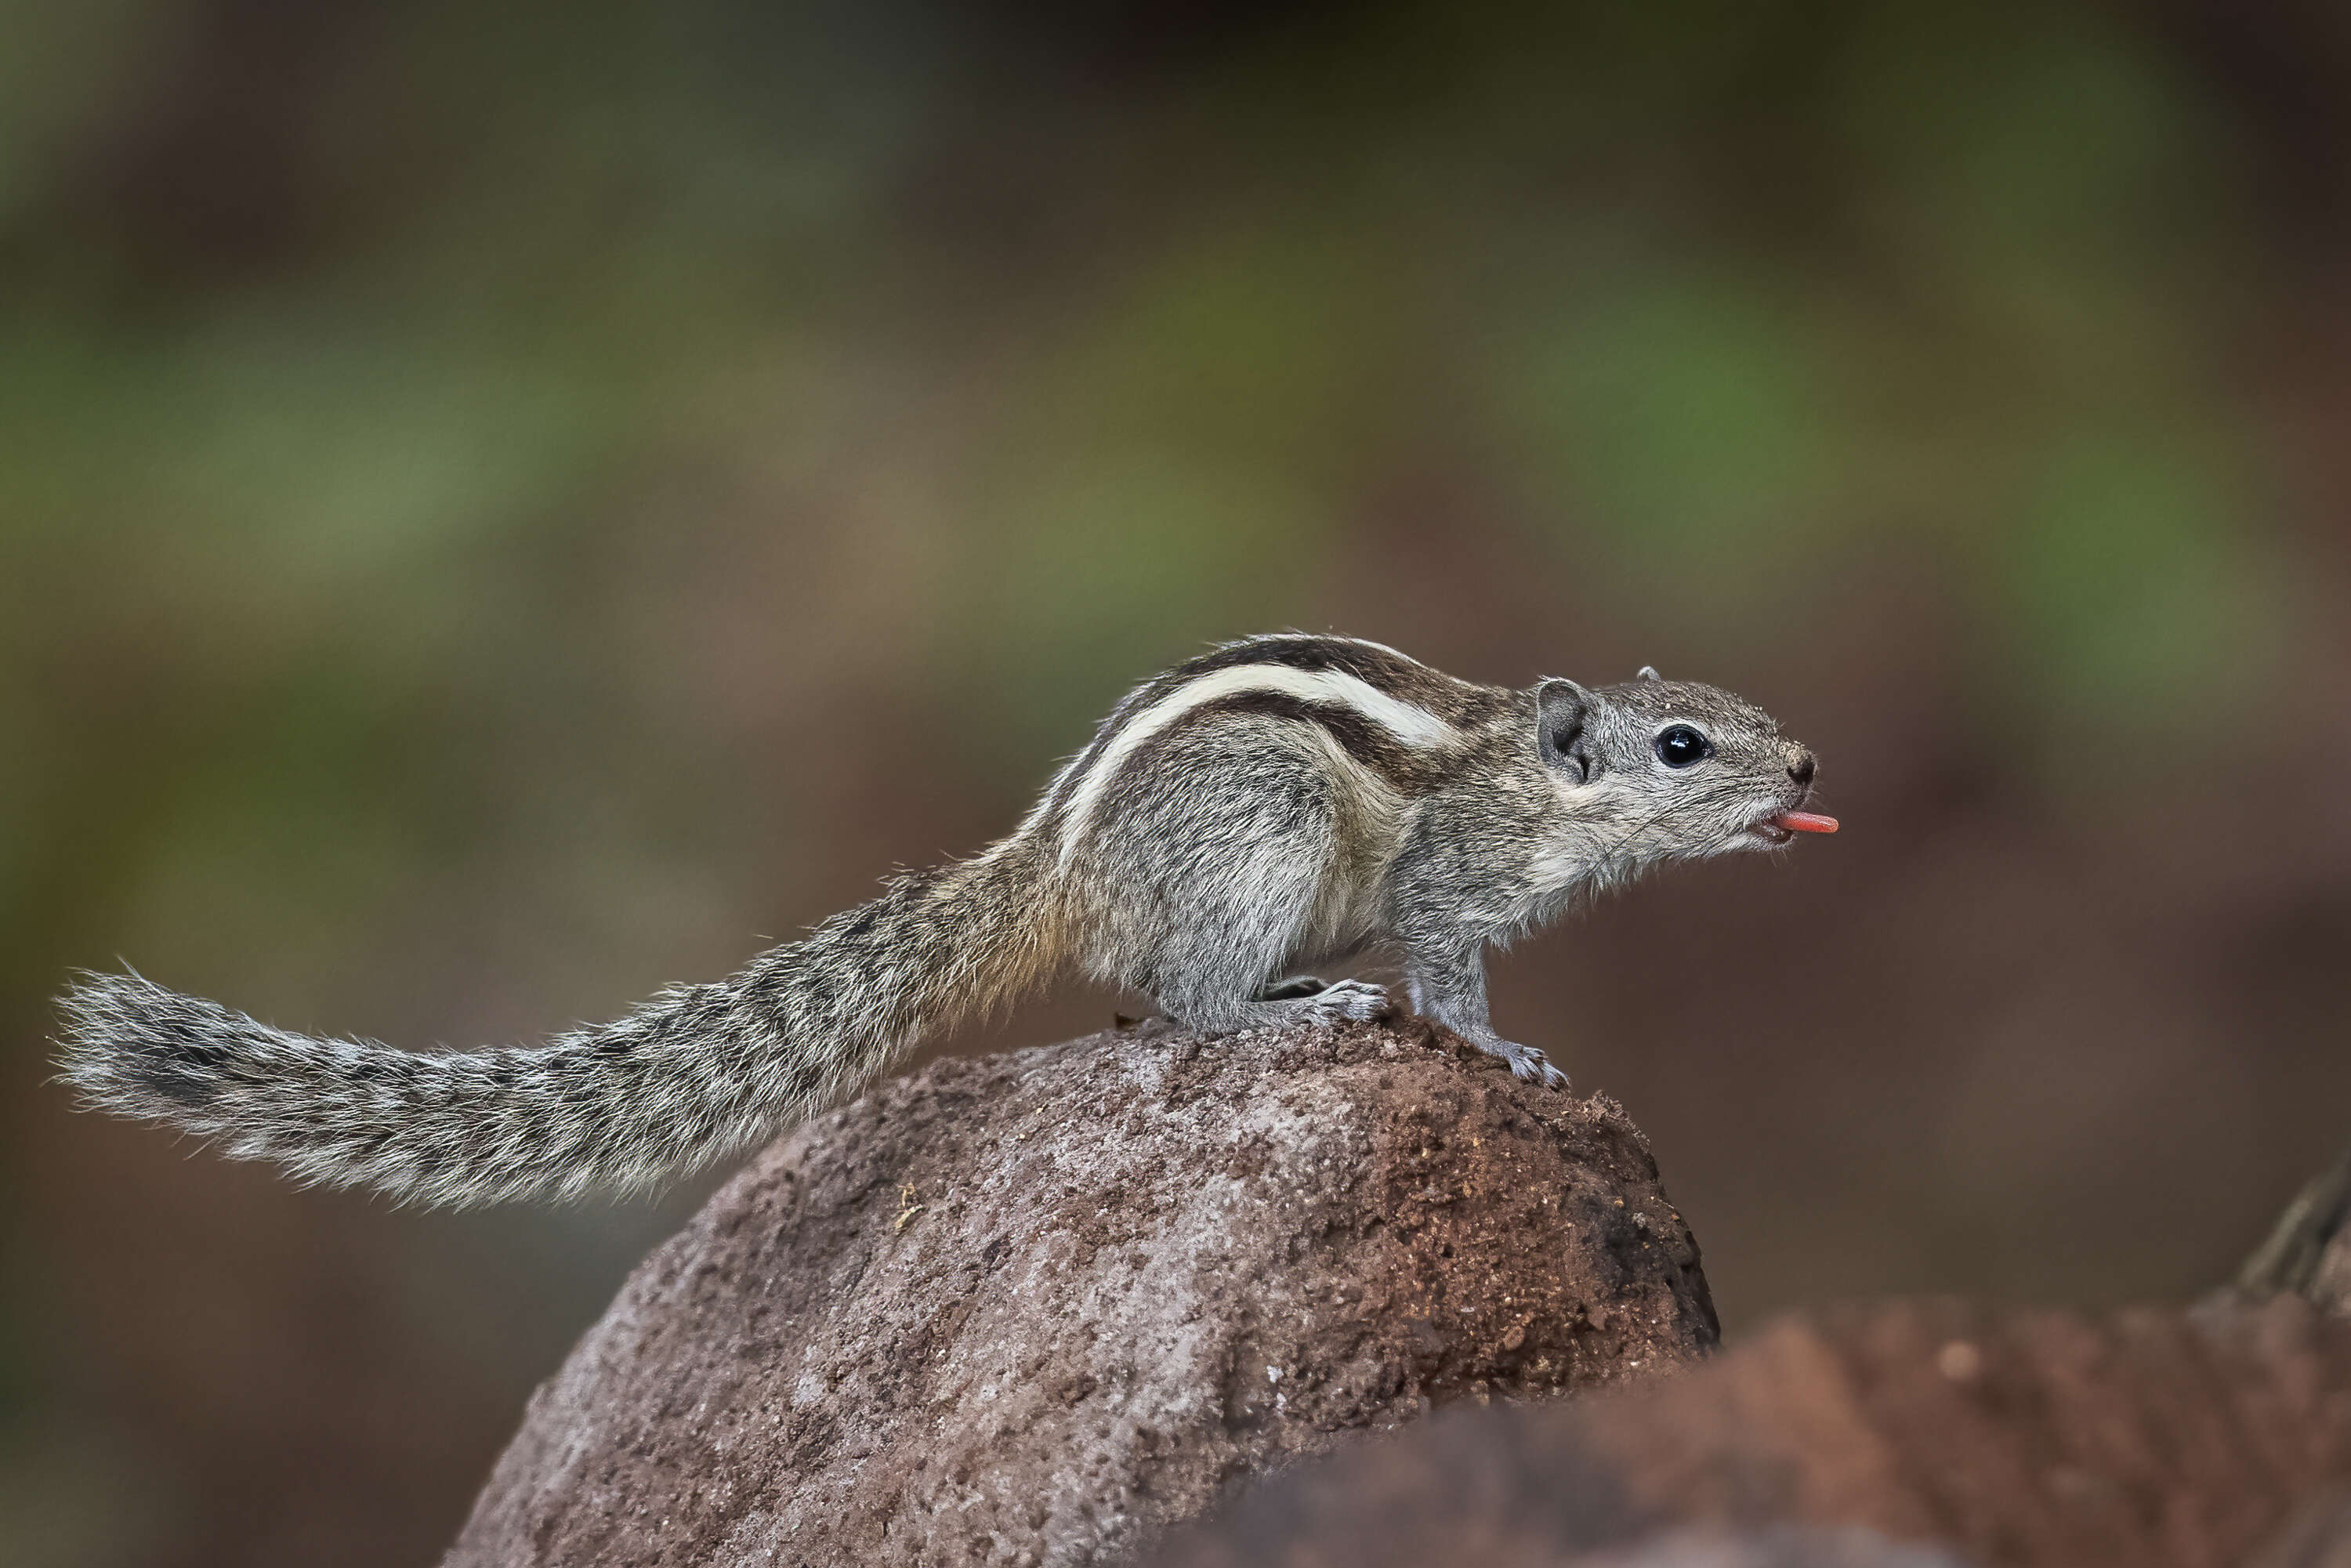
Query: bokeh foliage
(487, 491)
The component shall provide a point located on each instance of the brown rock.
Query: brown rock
(2037, 1439)
(1032, 1308)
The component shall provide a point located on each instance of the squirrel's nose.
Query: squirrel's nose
(1799, 767)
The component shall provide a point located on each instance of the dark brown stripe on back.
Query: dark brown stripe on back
(1403, 768)
(1456, 702)
(1459, 703)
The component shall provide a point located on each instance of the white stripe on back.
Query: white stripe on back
(1413, 725)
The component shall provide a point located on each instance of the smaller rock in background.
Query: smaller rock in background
(1764, 1546)
(2203, 1439)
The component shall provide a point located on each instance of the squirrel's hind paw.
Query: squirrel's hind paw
(1345, 1001)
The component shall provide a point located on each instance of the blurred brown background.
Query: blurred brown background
(505, 507)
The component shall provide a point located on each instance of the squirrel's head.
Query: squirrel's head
(1664, 769)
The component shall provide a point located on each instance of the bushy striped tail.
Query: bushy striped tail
(695, 1074)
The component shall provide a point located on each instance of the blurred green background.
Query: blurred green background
(505, 507)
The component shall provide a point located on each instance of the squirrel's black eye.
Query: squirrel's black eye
(1678, 745)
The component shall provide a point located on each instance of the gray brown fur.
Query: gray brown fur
(1273, 804)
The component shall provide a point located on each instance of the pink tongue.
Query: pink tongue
(1806, 822)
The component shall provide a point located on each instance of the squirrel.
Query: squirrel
(1274, 803)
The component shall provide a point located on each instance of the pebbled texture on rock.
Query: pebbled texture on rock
(2214, 1438)
(1031, 1308)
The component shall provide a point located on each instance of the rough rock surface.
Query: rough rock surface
(1030, 1309)
(2038, 1439)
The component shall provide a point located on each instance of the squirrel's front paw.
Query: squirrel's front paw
(1529, 1063)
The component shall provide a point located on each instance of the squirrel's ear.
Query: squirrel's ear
(1561, 709)
(1649, 673)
